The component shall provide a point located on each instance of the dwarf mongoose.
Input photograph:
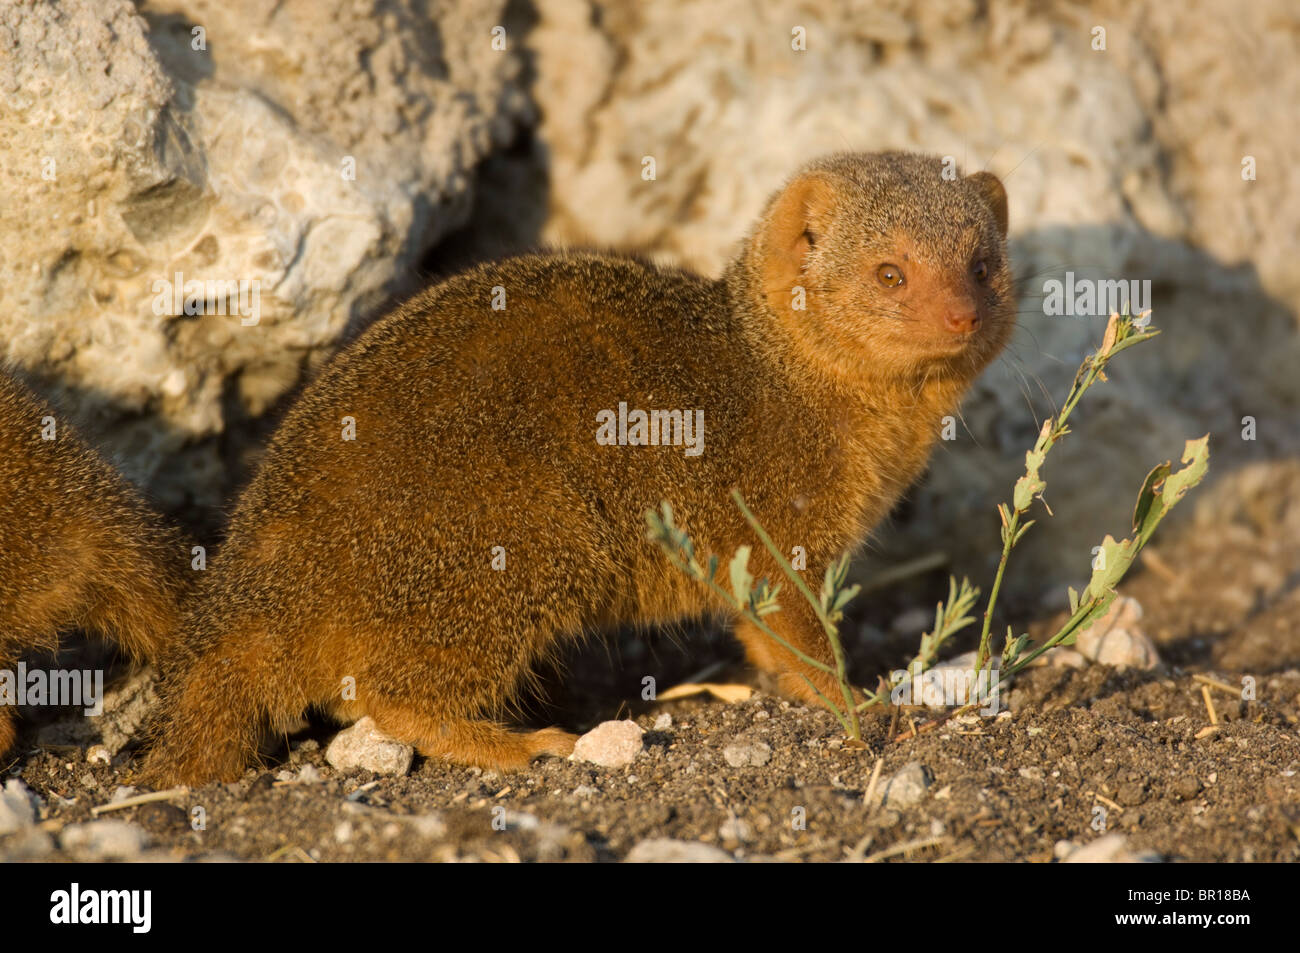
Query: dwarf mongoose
(466, 486)
(79, 548)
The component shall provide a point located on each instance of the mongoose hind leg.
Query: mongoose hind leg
(216, 709)
(476, 742)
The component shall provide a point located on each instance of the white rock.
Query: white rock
(364, 746)
(734, 829)
(663, 722)
(1109, 849)
(1117, 638)
(103, 840)
(665, 850)
(747, 754)
(18, 807)
(611, 744)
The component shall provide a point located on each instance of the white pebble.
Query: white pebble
(745, 754)
(665, 850)
(364, 746)
(611, 744)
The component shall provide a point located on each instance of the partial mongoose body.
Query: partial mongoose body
(79, 547)
(460, 491)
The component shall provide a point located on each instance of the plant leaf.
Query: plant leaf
(742, 582)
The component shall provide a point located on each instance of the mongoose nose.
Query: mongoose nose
(961, 319)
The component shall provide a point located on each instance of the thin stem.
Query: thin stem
(982, 656)
(1083, 379)
(832, 633)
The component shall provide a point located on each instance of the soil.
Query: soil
(1078, 752)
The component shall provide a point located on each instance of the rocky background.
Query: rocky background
(342, 152)
(329, 148)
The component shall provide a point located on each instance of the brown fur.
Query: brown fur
(79, 548)
(370, 559)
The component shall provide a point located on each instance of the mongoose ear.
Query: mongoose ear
(990, 187)
(792, 228)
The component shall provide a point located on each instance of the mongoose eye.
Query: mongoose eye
(810, 238)
(891, 276)
(980, 271)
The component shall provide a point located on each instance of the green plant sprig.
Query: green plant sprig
(756, 599)
(1160, 491)
(1121, 333)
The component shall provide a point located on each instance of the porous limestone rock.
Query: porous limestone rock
(311, 149)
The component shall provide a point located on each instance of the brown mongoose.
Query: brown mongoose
(452, 497)
(79, 547)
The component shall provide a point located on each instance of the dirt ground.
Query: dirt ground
(1078, 753)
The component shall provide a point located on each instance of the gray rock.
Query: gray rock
(743, 754)
(665, 850)
(316, 155)
(126, 706)
(364, 746)
(611, 744)
(904, 788)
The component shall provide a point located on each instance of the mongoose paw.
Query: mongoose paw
(796, 687)
(553, 741)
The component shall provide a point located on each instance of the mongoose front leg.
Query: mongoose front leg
(798, 626)
(7, 731)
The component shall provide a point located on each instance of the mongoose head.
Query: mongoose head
(902, 264)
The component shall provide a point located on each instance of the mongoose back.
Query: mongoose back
(79, 547)
(466, 486)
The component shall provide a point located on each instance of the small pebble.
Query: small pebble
(665, 850)
(1187, 787)
(747, 754)
(903, 788)
(734, 829)
(1110, 849)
